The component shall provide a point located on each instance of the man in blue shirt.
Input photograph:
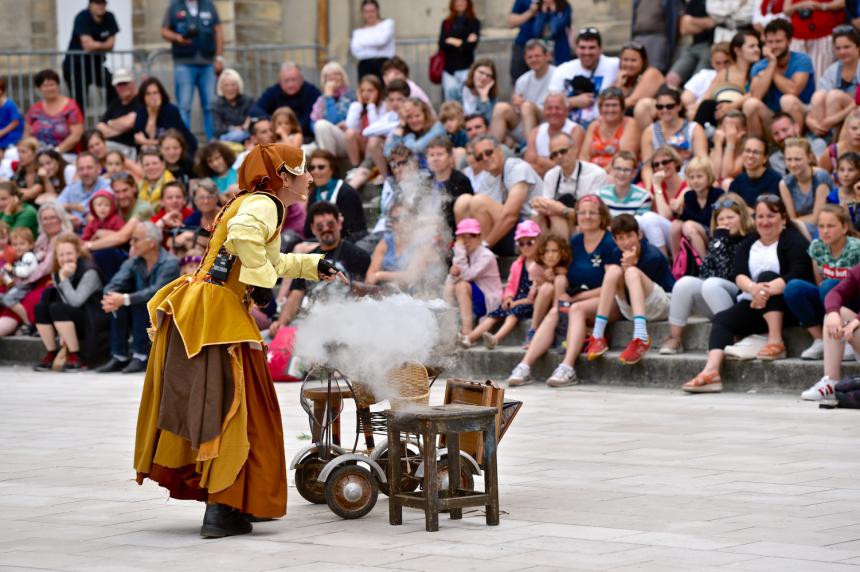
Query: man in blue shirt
(291, 91)
(76, 196)
(782, 81)
(11, 121)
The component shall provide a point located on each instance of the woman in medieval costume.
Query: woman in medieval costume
(209, 426)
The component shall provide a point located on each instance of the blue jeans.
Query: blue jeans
(452, 85)
(187, 77)
(806, 300)
(132, 319)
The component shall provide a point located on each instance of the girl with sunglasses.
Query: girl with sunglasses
(518, 296)
(714, 289)
(834, 98)
(639, 82)
(686, 137)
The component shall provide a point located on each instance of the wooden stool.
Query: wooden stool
(428, 422)
(325, 401)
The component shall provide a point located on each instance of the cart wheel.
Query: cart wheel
(408, 481)
(351, 491)
(306, 475)
(467, 480)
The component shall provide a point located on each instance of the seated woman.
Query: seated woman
(71, 307)
(694, 212)
(94, 142)
(115, 164)
(714, 289)
(480, 89)
(686, 137)
(400, 258)
(156, 115)
(369, 107)
(696, 88)
(231, 110)
(54, 174)
(205, 198)
(327, 187)
(805, 187)
(26, 172)
(766, 261)
(591, 250)
(177, 155)
(287, 127)
(56, 121)
(849, 142)
(639, 82)
(155, 176)
(667, 185)
(555, 121)
(727, 152)
(215, 161)
(833, 253)
(833, 99)
(611, 132)
(418, 126)
(330, 109)
(729, 89)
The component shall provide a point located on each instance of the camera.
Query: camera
(192, 32)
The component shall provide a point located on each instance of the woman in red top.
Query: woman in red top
(611, 132)
(813, 22)
(667, 184)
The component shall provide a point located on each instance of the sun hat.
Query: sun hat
(527, 229)
(468, 226)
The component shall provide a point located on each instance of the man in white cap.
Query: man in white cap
(117, 123)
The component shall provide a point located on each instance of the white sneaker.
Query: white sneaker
(489, 340)
(848, 353)
(815, 351)
(563, 375)
(820, 391)
(747, 348)
(522, 375)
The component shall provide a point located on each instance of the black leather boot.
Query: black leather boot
(221, 520)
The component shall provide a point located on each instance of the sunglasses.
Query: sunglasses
(626, 170)
(120, 176)
(397, 164)
(486, 155)
(663, 163)
(768, 198)
(633, 46)
(588, 32)
(525, 243)
(317, 167)
(724, 204)
(321, 226)
(666, 106)
(559, 153)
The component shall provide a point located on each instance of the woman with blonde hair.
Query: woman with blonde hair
(231, 110)
(418, 126)
(805, 186)
(330, 110)
(714, 289)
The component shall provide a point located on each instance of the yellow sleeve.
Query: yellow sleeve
(248, 237)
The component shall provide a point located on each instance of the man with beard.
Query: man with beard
(783, 126)
(782, 81)
(326, 226)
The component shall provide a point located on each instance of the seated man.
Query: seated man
(148, 268)
(783, 81)
(782, 127)
(262, 133)
(568, 181)
(293, 91)
(327, 226)
(76, 196)
(555, 113)
(641, 286)
(503, 199)
(117, 123)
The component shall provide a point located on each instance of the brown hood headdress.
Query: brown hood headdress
(260, 169)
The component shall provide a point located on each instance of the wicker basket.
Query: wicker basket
(409, 382)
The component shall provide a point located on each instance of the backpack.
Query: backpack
(687, 261)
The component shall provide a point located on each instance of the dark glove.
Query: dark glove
(261, 296)
(326, 268)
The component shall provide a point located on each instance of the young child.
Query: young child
(215, 161)
(640, 286)
(114, 163)
(847, 193)
(172, 214)
(518, 296)
(453, 118)
(105, 216)
(694, 213)
(287, 127)
(361, 114)
(473, 280)
(548, 274)
(7, 253)
(24, 265)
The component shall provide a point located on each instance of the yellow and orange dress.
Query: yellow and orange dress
(209, 425)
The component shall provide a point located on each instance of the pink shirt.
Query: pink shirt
(481, 268)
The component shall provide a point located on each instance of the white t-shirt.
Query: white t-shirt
(698, 84)
(532, 88)
(602, 76)
(373, 41)
(586, 179)
(762, 259)
(515, 171)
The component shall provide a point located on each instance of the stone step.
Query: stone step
(789, 375)
(21, 349)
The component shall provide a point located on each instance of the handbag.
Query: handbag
(437, 67)
(687, 260)
(283, 365)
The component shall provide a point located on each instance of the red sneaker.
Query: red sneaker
(73, 363)
(634, 351)
(596, 348)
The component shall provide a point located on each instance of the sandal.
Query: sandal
(704, 383)
(771, 352)
(671, 346)
(463, 341)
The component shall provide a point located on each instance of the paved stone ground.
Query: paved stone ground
(591, 479)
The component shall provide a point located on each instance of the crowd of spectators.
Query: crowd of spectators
(720, 179)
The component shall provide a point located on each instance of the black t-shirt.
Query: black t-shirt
(347, 257)
(697, 9)
(117, 109)
(348, 201)
(86, 25)
(456, 185)
(750, 188)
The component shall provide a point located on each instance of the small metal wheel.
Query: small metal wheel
(467, 480)
(351, 491)
(306, 475)
(408, 465)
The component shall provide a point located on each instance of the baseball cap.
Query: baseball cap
(468, 226)
(122, 75)
(527, 229)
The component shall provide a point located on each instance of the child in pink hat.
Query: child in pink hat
(473, 281)
(517, 298)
